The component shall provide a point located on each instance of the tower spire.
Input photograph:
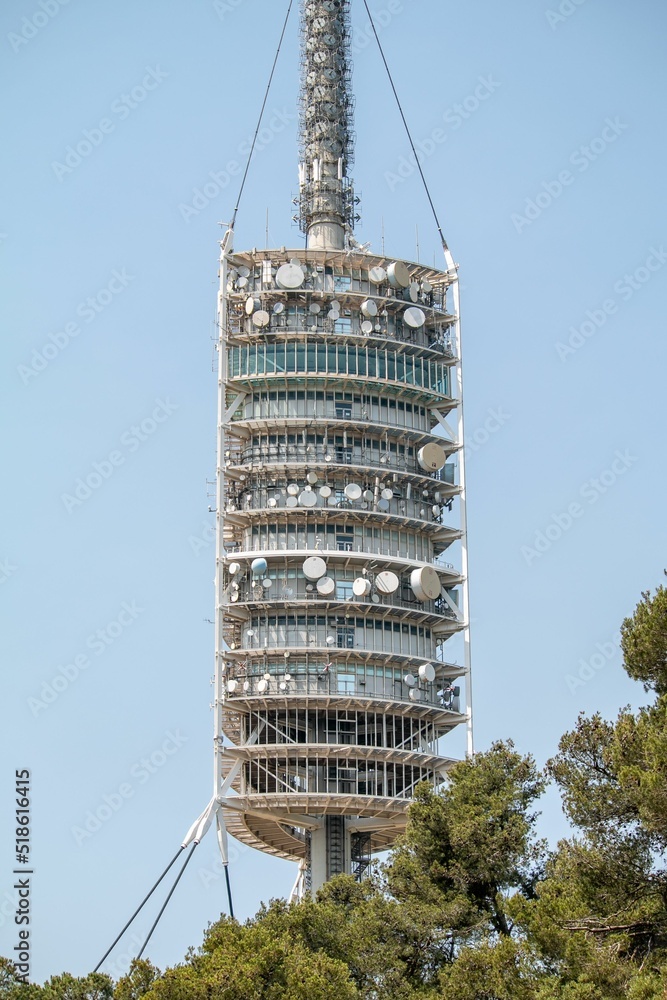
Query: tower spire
(326, 124)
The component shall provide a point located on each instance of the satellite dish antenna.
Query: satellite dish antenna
(261, 318)
(425, 583)
(398, 275)
(414, 317)
(314, 568)
(290, 276)
(431, 457)
(427, 672)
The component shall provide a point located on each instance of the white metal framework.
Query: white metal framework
(339, 467)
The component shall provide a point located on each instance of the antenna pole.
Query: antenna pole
(326, 199)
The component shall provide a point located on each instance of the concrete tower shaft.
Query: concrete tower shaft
(326, 119)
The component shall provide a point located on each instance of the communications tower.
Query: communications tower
(340, 488)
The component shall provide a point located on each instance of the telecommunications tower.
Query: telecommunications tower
(340, 488)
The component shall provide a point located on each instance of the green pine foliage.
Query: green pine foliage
(471, 905)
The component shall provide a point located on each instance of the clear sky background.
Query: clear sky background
(577, 95)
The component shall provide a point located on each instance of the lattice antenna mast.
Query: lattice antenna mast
(327, 201)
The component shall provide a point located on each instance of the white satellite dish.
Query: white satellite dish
(387, 582)
(290, 276)
(278, 307)
(353, 491)
(314, 568)
(293, 489)
(398, 275)
(261, 318)
(308, 498)
(410, 680)
(262, 686)
(326, 586)
(251, 304)
(414, 317)
(234, 568)
(267, 583)
(291, 501)
(361, 587)
(369, 308)
(387, 494)
(325, 491)
(377, 275)
(427, 672)
(312, 478)
(425, 583)
(383, 505)
(431, 457)
(243, 271)
(366, 327)
(314, 308)
(232, 686)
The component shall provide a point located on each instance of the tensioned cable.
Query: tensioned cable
(407, 129)
(229, 892)
(140, 907)
(164, 905)
(261, 115)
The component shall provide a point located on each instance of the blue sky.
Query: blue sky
(542, 130)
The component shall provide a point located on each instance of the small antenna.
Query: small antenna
(417, 236)
(383, 235)
(266, 246)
